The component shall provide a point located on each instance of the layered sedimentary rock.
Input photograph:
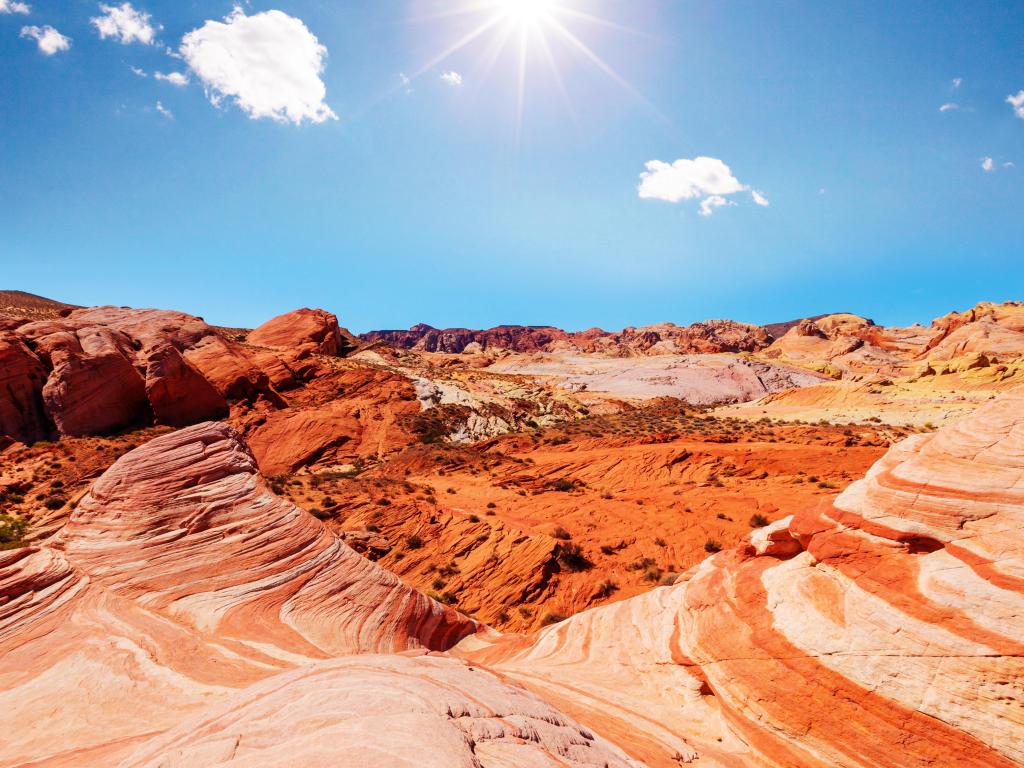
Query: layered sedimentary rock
(180, 579)
(422, 712)
(882, 629)
(304, 331)
(95, 371)
(666, 338)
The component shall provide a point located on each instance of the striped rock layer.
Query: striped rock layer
(885, 629)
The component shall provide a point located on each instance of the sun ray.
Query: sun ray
(458, 45)
(601, 64)
(529, 28)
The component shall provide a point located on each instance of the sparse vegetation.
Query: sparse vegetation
(711, 546)
(758, 520)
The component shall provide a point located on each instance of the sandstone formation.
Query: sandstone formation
(96, 371)
(700, 338)
(881, 629)
(696, 379)
(304, 331)
(179, 579)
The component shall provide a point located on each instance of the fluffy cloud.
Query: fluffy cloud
(702, 177)
(949, 107)
(125, 24)
(174, 78)
(10, 6)
(164, 111)
(1017, 102)
(453, 78)
(49, 40)
(268, 63)
(987, 165)
(708, 204)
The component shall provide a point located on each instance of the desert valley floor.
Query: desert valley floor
(722, 544)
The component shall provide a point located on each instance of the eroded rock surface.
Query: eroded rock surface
(881, 629)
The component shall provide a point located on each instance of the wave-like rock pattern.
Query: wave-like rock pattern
(883, 629)
(179, 579)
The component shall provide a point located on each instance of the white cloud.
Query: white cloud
(268, 63)
(10, 6)
(138, 72)
(1017, 102)
(987, 165)
(957, 82)
(164, 111)
(708, 204)
(125, 24)
(405, 81)
(949, 107)
(49, 40)
(453, 78)
(705, 177)
(1008, 164)
(174, 78)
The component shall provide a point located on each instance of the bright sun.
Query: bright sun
(526, 11)
(533, 33)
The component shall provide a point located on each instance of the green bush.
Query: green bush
(12, 531)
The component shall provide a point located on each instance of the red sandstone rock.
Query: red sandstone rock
(177, 392)
(885, 632)
(305, 331)
(22, 376)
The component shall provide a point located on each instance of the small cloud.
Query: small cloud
(125, 24)
(405, 81)
(138, 72)
(1017, 102)
(957, 82)
(1009, 164)
(268, 63)
(453, 78)
(174, 78)
(49, 40)
(949, 107)
(10, 6)
(709, 204)
(987, 165)
(164, 111)
(701, 177)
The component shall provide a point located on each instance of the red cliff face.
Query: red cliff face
(99, 370)
(709, 337)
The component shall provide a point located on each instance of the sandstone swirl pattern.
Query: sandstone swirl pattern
(181, 580)
(886, 629)
(188, 617)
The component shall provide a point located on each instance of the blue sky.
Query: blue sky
(433, 202)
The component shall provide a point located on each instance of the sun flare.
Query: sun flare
(526, 11)
(532, 36)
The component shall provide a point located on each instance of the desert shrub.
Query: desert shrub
(474, 519)
(758, 520)
(12, 531)
(327, 502)
(491, 505)
(606, 589)
(571, 557)
(561, 533)
(414, 542)
(712, 546)
(55, 502)
(552, 618)
(653, 573)
(320, 514)
(562, 485)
